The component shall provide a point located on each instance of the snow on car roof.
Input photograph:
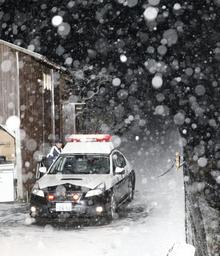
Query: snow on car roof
(88, 148)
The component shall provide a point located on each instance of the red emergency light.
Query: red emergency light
(50, 197)
(89, 138)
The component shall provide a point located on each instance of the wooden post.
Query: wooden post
(18, 162)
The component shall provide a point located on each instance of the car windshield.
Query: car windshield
(81, 164)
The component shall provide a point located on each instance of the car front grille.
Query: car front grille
(65, 192)
(68, 197)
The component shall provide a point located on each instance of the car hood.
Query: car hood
(88, 181)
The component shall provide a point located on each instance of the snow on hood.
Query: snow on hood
(87, 180)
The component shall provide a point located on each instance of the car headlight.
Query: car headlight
(37, 191)
(96, 191)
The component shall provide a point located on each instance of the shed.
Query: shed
(33, 89)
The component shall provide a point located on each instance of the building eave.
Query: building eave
(38, 57)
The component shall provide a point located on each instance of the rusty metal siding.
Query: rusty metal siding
(35, 113)
(59, 95)
(8, 83)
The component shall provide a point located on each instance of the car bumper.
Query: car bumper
(78, 210)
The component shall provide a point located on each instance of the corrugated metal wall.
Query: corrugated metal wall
(37, 120)
(8, 83)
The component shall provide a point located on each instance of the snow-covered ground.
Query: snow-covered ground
(150, 225)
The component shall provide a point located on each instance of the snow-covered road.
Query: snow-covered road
(148, 227)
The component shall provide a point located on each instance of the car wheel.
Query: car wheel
(130, 190)
(112, 207)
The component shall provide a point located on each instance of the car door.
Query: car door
(124, 184)
(120, 189)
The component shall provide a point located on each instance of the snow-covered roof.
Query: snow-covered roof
(88, 148)
(34, 55)
(4, 127)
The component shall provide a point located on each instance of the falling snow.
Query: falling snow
(157, 81)
(140, 67)
(57, 20)
(150, 13)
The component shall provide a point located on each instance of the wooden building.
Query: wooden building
(33, 89)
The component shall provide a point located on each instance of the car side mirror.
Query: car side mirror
(43, 169)
(119, 170)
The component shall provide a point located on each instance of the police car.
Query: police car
(90, 178)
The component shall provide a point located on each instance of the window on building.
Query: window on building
(47, 81)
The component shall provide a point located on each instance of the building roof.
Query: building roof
(34, 55)
(88, 148)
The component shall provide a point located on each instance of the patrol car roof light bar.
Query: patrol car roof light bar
(89, 138)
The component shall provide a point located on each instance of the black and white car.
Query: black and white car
(90, 178)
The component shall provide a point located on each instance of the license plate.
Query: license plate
(63, 207)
